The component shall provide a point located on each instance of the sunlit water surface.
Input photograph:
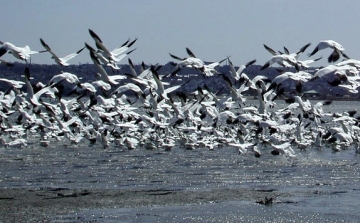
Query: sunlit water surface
(324, 186)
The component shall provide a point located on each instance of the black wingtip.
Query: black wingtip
(190, 53)
(125, 43)
(132, 42)
(250, 63)
(265, 66)
(270, 50)
(3, 50)
(93, 57)
(79, 51)
(175, 57)
(44, 44)
(227, 80)
(223, 60)
(89, 47)
(314, 51)
(286, 50)
(27, 72)
(93, 35)
(173, 72)
(130, 63)
(131, 51)
(346, 56)
(302, 49)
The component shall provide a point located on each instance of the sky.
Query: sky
(212, 29)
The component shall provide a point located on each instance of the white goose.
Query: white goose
(115, 55)
(32, 97)
(236, 74)
(103, 75)
(13, 83)
(300, 77)
(282, 59)
(244, 148)
(63, 61)
(283, 149)
(236, 94)
(193, 62)
(21, 53)
(296, 55)
(335, 55)
(336, 70)
(64, 76)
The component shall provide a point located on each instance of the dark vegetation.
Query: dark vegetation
(86, 73)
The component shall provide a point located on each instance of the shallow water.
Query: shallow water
(322, 186)
(220, 212)
(93, 167)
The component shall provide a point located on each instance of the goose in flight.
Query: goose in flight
(287, 59)
(8, 64)
(63, 61)
(340, 71)
(34, 98)
(236, 94)
(63, 76)
(103, 74)
(335, 55)
(243, 148)
(305, 63)
(283, 149)
(21, 53)
(302, 64)
(112, 56)
(287, 52)
(108, 62)
(236, 74)
(13, 83)
(282, 59)
(300, 77)
(193, 62)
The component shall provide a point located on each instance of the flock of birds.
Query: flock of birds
(161, 117)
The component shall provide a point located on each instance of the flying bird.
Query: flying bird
(337, 50)
(63, 61)
(112, 56)
(193, 62)
(21, 53)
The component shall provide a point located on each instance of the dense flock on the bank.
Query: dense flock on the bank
(161, 117)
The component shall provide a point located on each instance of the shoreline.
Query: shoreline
(42, 205)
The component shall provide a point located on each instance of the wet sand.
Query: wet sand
(41, 205)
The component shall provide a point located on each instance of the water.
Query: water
(321, 186)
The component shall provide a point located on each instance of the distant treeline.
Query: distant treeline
(86, 72)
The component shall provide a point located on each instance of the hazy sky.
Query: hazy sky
(211, 29)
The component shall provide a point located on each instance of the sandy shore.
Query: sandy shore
(40, 205)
